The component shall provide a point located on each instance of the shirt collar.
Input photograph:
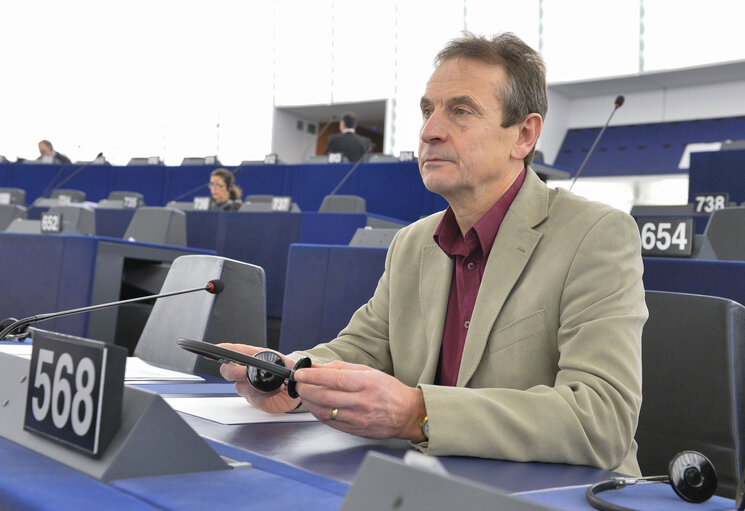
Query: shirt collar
(447, 234)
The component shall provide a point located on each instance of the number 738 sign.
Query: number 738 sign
(666, 236)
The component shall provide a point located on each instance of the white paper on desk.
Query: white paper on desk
(19, 350)
(231, 410)
(139, 370)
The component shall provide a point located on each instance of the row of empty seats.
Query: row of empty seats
(128, 199)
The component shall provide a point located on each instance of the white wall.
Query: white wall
(289, 143)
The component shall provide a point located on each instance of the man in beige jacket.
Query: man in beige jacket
(508, 326)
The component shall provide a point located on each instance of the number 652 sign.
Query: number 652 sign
(666, 236)
(75, 390)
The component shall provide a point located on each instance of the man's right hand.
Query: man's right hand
(277, 401)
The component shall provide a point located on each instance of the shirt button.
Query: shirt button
(471, 266)
(467, 324)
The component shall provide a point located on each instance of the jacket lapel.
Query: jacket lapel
(512, 249)
(435, 274)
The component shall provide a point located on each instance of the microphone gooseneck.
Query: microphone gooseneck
(351, 171)
(616, 105)
(18, 330)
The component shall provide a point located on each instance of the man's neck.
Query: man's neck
(348, 130)
(469, 209)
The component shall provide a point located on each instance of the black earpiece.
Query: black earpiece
(17, 333)
(690, 473)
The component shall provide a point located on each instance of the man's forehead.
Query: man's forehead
(463, 77)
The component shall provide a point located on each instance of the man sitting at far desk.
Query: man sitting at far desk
(508, 326)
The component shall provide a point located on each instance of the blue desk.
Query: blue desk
(294, 465)
(262, 239)
(393, 189)
(47, 273)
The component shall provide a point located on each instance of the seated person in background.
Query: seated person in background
(226, 195)
(47, 154)
(508, 326)
(348, 143)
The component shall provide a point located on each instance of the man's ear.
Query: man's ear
(529, 128)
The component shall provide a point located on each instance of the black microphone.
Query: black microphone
(196, 189)
(18, 326)
(617, 104)
(351, 171)
(49, 189)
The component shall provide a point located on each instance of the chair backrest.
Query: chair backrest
(237, 314)
(128, 196)
(13, 196)
(182, 205)
(267, 203)
(199, 160)
(64, 195)
(164, 226)
(150, 160)
(343, 204)
(379, 157)
(726, 233)
(82, 218)
(28, 226)
(693, 383)
(261, 207)
(9, 212)
(662, 210)
(373, 237)
(258, 198)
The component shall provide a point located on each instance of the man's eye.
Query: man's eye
(460, 112)
(426, 113)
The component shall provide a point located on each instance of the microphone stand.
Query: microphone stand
(214, 287)
(190, 192)
(618, 103)
(351, 171)
(68, 178)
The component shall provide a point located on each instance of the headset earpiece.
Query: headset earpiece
(690, 473)
(692, 476)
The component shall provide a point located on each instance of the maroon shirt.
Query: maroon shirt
(470, 254)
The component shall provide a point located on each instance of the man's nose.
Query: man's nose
(433, 129)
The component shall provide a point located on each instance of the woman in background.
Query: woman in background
(226, 195)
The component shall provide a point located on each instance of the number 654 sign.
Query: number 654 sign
(75, 390)
(665, 236)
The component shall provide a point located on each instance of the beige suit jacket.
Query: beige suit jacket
(551, 369)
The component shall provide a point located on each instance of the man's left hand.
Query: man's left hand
(362, 401)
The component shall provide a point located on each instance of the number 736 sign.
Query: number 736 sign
(666, 236)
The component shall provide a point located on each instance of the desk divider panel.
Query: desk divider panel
(47, 273)
(385, 482)
(702, 277)
(326, 284)
(261, 239)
